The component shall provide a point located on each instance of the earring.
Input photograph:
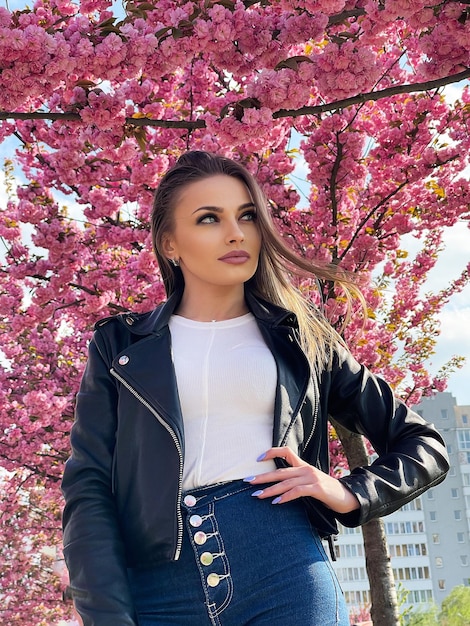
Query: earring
(175, 262)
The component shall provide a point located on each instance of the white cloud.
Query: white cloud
(452, 260)
(453, 91)
(456, 327)
(3, 193)
(454, 340)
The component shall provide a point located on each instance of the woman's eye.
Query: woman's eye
(207, 219)
(250, 216)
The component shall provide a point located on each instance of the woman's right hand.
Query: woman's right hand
(301, 480)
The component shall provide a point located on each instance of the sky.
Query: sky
(455, 318)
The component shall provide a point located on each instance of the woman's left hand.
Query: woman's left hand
(300, 480)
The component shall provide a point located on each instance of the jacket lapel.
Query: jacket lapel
(293, 373)
(147, 367)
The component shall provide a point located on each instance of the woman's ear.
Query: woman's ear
(168, 246)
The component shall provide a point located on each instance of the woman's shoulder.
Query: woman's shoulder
(138, 323)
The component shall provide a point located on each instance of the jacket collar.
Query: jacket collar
(154, 321)
(151, 323)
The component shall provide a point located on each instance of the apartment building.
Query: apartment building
(447, 507)
(429, 538)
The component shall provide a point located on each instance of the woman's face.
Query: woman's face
(215, 234)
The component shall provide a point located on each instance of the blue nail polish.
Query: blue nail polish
(261, 456)
(248, 479)
(257, 493)
(276, 500)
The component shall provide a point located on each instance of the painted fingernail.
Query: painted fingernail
(257, 493)
(276, 500)
(248, 479)
(261, 456)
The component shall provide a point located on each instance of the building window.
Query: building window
(439, 561)
(460, 538)
(464, 439)
(454, 493)
(351, 573)
(458, 515)
(431, 494)
(436, 538)
(464, 560)
(414, 505)
(452, 471)
(349, 531)
(464, 418)
(444, 414)
(442, 584)
(449, 448)
(357, 597)
(411, 573)
(466, 582)
(420, 596)
(466, 480)
(432, 516)
(349, 551)
(409, 549)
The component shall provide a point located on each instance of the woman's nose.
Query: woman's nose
(234, 233)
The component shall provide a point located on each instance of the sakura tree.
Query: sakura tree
(102, 98)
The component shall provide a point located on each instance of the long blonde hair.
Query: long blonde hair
(279, 267)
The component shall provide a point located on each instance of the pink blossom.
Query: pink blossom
(346, 70)
(343, 184)
(103, 111)
(299, 28)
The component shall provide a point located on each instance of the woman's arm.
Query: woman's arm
(93, 547)
(412, 454)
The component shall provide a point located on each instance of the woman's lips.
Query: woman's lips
(236, 257)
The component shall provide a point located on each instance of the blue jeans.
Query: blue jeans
(243, 562)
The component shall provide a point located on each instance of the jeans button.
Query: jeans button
(200, 538)
(213, 580)
(207, 558)
(189, 500)
(195, 520)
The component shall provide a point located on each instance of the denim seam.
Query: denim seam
(335, 581)
(225, 561)
(212, 609)
(200, 501)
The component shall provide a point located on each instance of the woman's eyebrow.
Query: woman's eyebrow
(217, 209)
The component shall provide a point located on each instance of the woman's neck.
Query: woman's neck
(205, 307)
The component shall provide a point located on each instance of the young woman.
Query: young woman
(198, 490)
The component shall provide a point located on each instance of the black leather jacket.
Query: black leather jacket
(122, 483)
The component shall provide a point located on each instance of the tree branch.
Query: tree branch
(373, 96)
(75, 117)
(333, 189)
(307, 110)
(370, 214)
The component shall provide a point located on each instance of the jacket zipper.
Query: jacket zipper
(172, 433)
(315, 414)
(298, 409)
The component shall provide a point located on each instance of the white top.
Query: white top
(226, 378)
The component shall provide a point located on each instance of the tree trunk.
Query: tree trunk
(384, 604)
